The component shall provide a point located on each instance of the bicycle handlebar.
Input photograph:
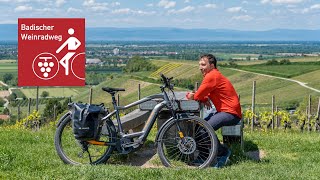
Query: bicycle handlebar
(166, 81)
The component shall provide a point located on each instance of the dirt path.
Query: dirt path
(286, 79)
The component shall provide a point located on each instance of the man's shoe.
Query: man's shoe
(222, 160)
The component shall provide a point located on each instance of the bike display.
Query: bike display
(184, 140)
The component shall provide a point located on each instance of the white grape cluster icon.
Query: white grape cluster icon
(45, 66)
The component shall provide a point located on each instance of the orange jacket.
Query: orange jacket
(220, 91)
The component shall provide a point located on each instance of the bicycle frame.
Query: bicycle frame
(142, 135)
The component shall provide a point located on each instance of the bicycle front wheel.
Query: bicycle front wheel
(73, 151)
(194, 146)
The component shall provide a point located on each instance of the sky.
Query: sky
(255, 15)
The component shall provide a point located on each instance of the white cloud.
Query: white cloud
(315, 6)
(130, 11)
(281, 1)
(23, 8)
(180, 11)
(121, 11)
(244, 2)
(242, 18)
(167, 4)
(60, 2)
(73, 10)
(210, 6)
(150, 5)
(236, 9)
(186, 1)
(45, 10)
(115, 4)
(91, 4)
(311, 8)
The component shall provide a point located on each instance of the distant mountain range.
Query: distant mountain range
(8, 32)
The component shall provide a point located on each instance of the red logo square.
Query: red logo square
(51, 51)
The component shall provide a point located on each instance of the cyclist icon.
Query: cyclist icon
(73, 44)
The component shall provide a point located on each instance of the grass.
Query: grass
(53, 91)
(289, 155)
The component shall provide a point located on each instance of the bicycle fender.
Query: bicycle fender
(62, 118)
(164, 124)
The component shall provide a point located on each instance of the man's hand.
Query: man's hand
(190, 95)
(207, 104)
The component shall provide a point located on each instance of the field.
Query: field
(8, 67)
(53, 91)
(286, 71)
(288, 155)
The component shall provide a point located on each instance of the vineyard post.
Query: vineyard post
(54, 112)
(29, 106)
(317, 116)
(37, 100)
(196, 87)
(318, 112)
(69, 99)
(253, 103)
(309, 113)
(90, 95)
(277, 117)
(118, 100)
(272, 110)
(139, 91)
(18, 112)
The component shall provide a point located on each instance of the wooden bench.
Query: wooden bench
(232, 134)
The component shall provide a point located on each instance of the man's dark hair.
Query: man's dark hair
(211, 59)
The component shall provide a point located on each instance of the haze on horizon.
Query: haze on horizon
(254, 15)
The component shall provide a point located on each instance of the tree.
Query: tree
(44, 94)
(49, 109)
(7, 77)
(137, 64)
(2, 102)
(12, 96)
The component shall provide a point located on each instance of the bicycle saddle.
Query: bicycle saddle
(112, 90)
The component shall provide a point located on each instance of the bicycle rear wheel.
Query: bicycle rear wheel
(73, 151)
(198, 147)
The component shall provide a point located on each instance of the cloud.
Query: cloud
(315, 6)
(73, 10)
(167, 4)
(242, 18)
(210, 6)
(91, 4)
(186, 1)
(60, 2)
(311, 8)
(130, 11)
(281, 1)
(236, 10)
(115, 4)
(180, 11)
(150, 5)
(23, 8)
(244, 2)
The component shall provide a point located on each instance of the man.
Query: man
(219, 90)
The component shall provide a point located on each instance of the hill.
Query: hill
(8, 32)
